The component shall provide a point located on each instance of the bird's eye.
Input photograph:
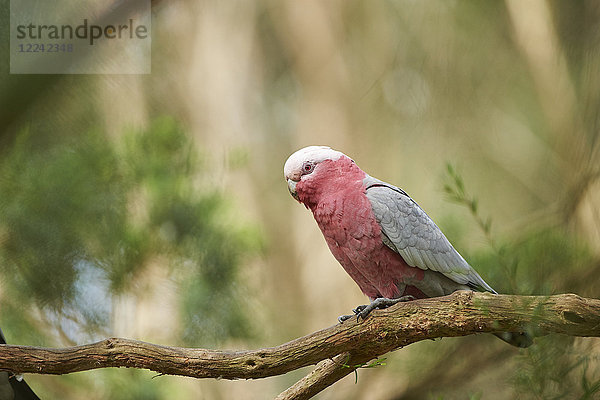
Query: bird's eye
(307, 168)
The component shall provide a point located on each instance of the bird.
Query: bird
(382, 238)
(14, 387)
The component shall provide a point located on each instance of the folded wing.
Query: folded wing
(409, 231)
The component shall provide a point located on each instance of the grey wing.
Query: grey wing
(409, 231)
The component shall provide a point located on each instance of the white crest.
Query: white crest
(312, 154)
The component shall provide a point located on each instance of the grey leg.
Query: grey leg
(364, 310)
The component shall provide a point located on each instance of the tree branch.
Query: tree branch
(344, 347)
(324, 375)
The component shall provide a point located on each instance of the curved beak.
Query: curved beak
(292, 188)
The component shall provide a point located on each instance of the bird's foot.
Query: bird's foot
(356, 311)
(364, 310)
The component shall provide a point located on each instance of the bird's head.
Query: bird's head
(308, 165)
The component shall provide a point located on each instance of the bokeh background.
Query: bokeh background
(153, 206)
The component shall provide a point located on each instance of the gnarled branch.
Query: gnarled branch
(340, 348)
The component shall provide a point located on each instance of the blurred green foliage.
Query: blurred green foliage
(83, 216)
(535, 262)
(555, 369)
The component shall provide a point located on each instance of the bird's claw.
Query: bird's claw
(343, 318)
(356, 314)
(359, 309)
(364, 310)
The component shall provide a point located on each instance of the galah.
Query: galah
(389, 246)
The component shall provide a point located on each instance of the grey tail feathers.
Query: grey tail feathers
(517, 339)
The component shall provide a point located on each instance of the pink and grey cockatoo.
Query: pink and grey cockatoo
(383, 239)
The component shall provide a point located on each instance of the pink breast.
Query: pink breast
(354, 237)
(336, 195)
